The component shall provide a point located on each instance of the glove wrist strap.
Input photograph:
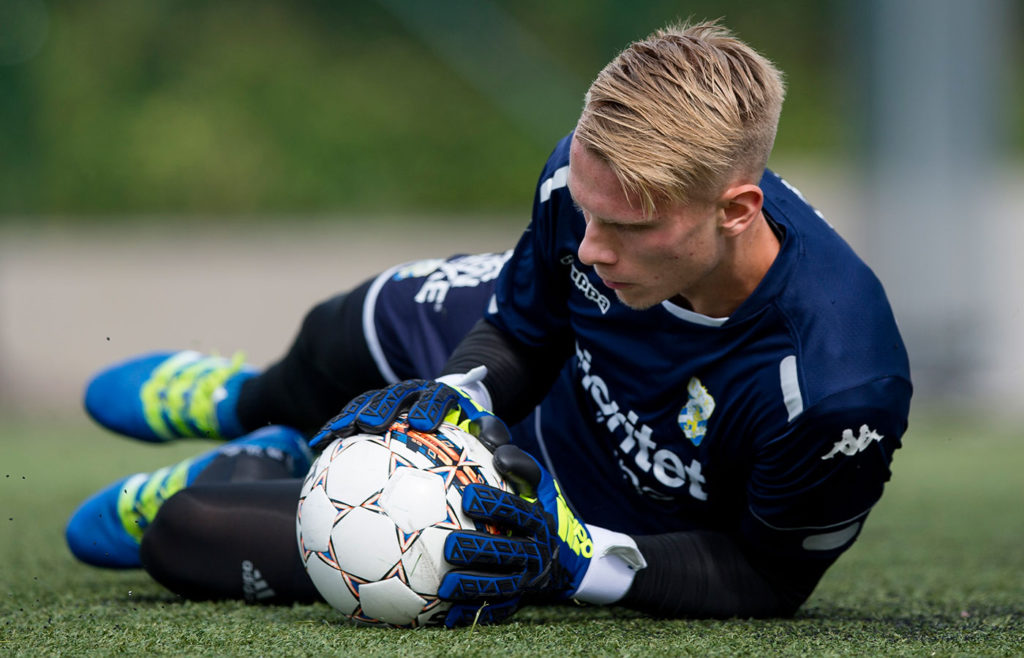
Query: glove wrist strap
(471, 384)
(612, 569)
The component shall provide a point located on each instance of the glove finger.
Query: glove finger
(343, 424)
(381, 410)
(432, 406)
(519, 468)
(502, 508)
(474, 586)
(483, 551)
(484, 612)
(492, 431)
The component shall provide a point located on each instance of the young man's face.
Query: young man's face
(645, 260)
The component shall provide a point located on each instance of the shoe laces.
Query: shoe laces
(142, 495)
(180, 398)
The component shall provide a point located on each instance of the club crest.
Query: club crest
(693, 418)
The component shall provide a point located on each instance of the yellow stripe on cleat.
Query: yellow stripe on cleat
(154, 392)
(126, 505)
(178, 399)
(142, 496)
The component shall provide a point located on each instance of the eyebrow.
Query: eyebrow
(644, 221)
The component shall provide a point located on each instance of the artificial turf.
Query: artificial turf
(938, 570)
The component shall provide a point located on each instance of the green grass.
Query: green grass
(939, 570)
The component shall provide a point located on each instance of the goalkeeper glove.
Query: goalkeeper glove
(428, 403)
(547, 552)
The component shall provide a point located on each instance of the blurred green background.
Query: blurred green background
(121, 108)
(125, 123)
(156, 158)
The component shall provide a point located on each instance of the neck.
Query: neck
(747, 259)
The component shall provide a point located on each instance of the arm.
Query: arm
(518, 375)
(809, 493)
(706, 574)
(526, 337)
(549, 553)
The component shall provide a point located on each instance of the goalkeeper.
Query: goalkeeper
(712, 377)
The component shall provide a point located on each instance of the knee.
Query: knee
(321, 323)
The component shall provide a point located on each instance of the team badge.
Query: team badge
(693, 418)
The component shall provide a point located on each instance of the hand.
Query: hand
(547, 552)
(428, 403)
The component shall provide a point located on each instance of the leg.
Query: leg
(327, 365)
(400, 325)
(230, 541)
(106, 529)
(166, 395)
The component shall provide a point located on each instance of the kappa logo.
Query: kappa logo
(580, 280)
(693, 418)
(850, 445)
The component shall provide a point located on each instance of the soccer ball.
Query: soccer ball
(373, 516)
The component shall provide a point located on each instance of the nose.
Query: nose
(597, 247)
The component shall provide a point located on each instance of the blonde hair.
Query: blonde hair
(681, 113)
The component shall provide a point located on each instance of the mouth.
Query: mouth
(615, 285)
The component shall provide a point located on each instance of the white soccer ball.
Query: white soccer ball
(373, 516)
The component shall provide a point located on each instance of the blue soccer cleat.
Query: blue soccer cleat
(105, 530)
(168, 395)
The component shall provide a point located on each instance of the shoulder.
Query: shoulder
(814, 484)
(836, 310)
(556, 225)
(554, 175)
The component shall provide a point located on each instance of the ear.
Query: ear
(738, 207)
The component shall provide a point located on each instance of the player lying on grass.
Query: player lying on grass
(707, 369)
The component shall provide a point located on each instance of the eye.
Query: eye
(632, 228)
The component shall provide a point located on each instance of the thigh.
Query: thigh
(415, 314)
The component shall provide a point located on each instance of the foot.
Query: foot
(106, 529)
(168, 395)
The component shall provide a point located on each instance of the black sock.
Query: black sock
(230, 540)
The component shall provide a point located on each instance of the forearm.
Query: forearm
(518, 375)
(705, 574)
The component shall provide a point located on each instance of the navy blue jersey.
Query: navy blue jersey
(775, 425)
(415, 314)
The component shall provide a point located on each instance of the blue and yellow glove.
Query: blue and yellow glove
(548, 552)
(427, 403)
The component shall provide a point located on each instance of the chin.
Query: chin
(637, 302)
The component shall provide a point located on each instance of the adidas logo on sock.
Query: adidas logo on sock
(268, 452)
(254, 451)
(254, 587)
